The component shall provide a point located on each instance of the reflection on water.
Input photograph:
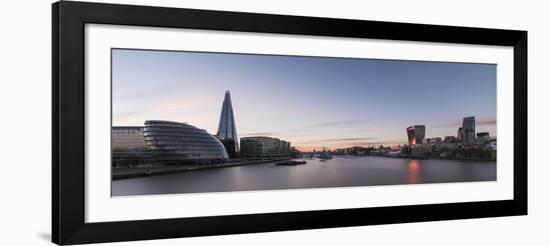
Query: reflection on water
(413, 177)
(338, 172)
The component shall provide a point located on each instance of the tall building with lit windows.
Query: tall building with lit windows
(416, 134)
(227, 132)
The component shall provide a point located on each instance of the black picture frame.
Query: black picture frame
(68, 107)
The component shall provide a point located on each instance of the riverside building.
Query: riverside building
(128, 146)
(180, 143)
(253, 147)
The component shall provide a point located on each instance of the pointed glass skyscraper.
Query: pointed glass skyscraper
(226, 129)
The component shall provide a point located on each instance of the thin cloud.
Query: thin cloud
(183, 103)
(346, 139)
(458, 123)
(332, 140)
(339, 123)
(380, 142)
(126, 114)
(259, 134)
(448, 124)
(487, 122)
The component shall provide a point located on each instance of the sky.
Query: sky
(313, 102)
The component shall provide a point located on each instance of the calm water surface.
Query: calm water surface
(338, 172)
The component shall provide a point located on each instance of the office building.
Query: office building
(482, 134)
(128, 146)
(469, 130)
(450, 139)
(264, 147)
(482, 138)
(416, 134)
(434, 140)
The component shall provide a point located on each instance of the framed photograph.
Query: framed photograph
(173, 122)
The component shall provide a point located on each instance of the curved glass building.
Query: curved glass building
(179, 143)
(128, 146)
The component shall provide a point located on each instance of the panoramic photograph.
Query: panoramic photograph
(195, 122)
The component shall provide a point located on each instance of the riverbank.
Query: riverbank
(439, 158)
(433, 158)
(134, 172)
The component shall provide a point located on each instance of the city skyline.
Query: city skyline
(313, 102)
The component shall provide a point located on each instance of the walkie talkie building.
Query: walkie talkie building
(416, 134)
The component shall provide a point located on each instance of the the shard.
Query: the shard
(227, 133)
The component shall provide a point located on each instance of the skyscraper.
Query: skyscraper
(416, 134)
(227, 133)
(469, 130)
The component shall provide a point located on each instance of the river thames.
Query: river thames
(341, 171)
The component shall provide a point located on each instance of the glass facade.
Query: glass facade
(469, 130)
(128, 146)
(416, 134)
(173, 142)
(227, 132)
(127, 137)
(264, 147)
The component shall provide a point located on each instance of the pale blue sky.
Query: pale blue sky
(310, 101)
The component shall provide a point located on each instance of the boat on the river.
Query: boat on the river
(325, 156)
(290, 163)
